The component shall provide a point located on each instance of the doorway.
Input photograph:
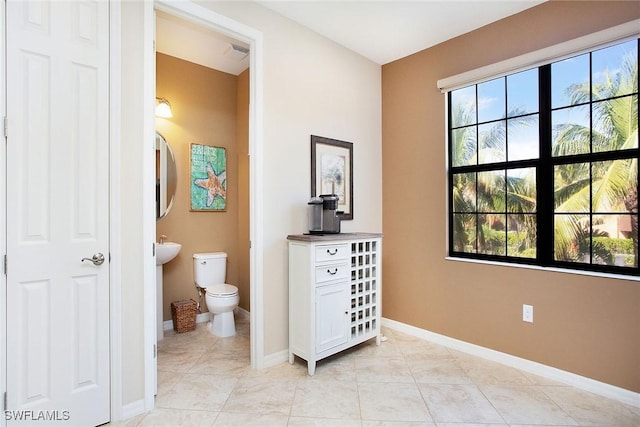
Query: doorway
(215, 22)
(209, 112)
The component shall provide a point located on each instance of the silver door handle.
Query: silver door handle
(97, 259)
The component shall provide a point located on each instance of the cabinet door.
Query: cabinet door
(332, 316)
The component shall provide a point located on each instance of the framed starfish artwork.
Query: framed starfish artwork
(208, 178)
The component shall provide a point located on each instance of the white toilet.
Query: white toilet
(209, 272)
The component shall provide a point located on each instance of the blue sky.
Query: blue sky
(523, 95)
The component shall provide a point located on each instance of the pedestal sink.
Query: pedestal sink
(165, 252)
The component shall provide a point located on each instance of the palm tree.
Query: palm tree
(579, 188)
(490, 192)
(612, 185)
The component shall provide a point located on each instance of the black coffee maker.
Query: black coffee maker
(324, 216)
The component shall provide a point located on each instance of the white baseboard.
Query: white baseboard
(167, 325)
(274, 359)
(241, 312)
(577, 381)
(132, 409)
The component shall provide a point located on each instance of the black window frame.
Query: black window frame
(544, 164)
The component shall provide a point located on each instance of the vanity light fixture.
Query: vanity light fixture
(163, 108)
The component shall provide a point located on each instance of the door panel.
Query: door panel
(57, 209)
(332, 306)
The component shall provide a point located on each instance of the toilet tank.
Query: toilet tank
(209, 268)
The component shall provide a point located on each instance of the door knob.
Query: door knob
(97, 259)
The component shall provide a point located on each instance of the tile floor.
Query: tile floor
(208, 381)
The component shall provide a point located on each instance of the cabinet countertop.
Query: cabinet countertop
(332, 237)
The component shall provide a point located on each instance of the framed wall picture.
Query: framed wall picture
(332, 171)
(208, 178)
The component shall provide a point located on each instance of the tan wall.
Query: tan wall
(205, 111)
(582, 324)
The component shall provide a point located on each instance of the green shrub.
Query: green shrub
(614, 246)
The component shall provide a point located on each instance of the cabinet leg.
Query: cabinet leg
(291, 358)
(311, 368)
(378, 339)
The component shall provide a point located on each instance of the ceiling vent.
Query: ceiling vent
(236, 52)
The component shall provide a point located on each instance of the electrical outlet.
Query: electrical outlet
(527, 313)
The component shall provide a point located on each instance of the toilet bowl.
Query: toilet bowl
(221, 301)
(209, 271)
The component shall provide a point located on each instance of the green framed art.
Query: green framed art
(208, 169)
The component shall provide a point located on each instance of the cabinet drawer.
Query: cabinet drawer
(331, 252)
(332, 272)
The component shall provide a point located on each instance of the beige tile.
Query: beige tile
(198, 392)
(463, 403)
(216, 362)
(281, 371)
(326, 399)
(347, 355)
(166, 380)
(438, 371)
(423, 350)
(526, 405)
(321, 422)
(392, 402)
(337, 369)
(178, 359)
(131, 422)
(383, 370)
(538, 380)
(591, 410)
(231, 419)
(538, 425)
(475, 425)
(198, 339)
(261, 396)
(369, 423)
(483, 371)
(172, 418)
(238, 344)
(379, 380)
(371, 349)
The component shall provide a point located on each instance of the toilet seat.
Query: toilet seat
(222, 290)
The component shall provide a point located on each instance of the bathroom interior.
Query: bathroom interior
(211, 108)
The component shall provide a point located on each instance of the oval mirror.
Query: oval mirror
(166, 177)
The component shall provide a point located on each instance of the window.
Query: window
(543, 164)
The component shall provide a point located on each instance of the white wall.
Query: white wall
(133, 246)
(312, 86)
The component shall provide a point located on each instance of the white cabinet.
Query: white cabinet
(334, 293)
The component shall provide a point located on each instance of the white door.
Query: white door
(57, 212)
(332, 316)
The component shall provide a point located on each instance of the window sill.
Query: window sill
(549, 269)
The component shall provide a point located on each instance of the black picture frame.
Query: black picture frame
(332, 171)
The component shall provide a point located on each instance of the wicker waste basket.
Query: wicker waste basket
(183, 314)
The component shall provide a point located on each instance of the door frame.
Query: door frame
(115, 209)
(212, 20)
(3, 218)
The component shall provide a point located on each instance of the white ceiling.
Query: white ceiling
(193, 43)
(382, 31)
